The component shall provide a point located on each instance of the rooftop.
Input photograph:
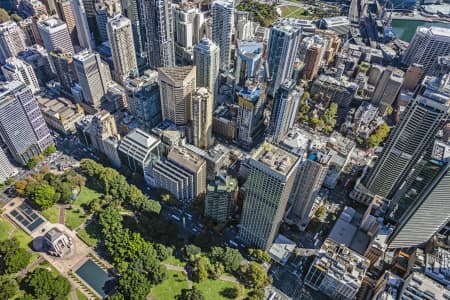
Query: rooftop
(53, 234)
(142, 138)
(177, 74)
(186, 158)
(275, 158)
(58, 107)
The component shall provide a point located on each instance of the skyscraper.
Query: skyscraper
(130, 9)
(387, 88)
(65, 13)
(144, 100)
(22, 126)
(85, 37)
(309, 180)
(206, 60)
(201, 118)
(122, 47)
(16, 69)
(11, 40)
(156, 16)
(426, 216)
(284, 110)
(425, 115)
(65, 70)
(250, 118)
(313, 59)
(55, 35)
(176, 84)
(103, 11)
(222, 12)
(6, 169)
(282, 50)
(426, 45)
(91, 76)
(268, 187)
(221, 194)
(248, 62)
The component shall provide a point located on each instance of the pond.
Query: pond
(96, 277)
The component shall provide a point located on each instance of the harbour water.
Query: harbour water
(405, 29)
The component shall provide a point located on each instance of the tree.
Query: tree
(306, 95)
(216, 270)
(378, 136)
(201, 267)
(8, 287)
(314, 121)
(259, 255)
(32, 163)
(20, 187)
(12, 257)
(232, 259)
(134, 285)
(158, 274)
(3, 15)
(44, 284)
(45, 196)
(255, 275)
(49, 150)
(235, 292)
(163, 251)
(192, 251)
(256, 294)
(191, 294)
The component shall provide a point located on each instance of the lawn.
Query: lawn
(75, 215)
(172, 260)
(51, 214)
(90, 234)
(212, 289)
(86, 195)
(5, 229)
(171, 287)
(80, 295)
(295, 12)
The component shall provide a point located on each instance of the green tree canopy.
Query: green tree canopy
(12, 257)
(44, 196)
(43, 284)
(255, 275)
(191, 294)
(134, 285)
(8, 287)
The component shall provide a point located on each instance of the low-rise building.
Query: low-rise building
(60, 114)
(418, 286)
(338, 24)
(339, 91)
(337, 271)
(224, 121)
(216, 158)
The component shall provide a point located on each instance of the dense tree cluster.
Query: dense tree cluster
(254, 275)
(45, 189)
(191, 294)
(44, 284)
(263, 13)
(38, 158)
(376, 138)
(326, 122)
(13, 258)
(112, 183)
(259, 255)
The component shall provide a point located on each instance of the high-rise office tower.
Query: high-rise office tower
(248, 62)
(65, 13)
(89, 8)
(16, 69)
(309, 180)
(387, 88)
(120, 36)
(282, 50)
(6, 169)
(130, 9)
(50, 5)
(158, 32)
(11, 40)
(221, 194)
(441, 66)
(176, 84)
(426, 45)
(222, 13)
(284, 110)
(85, 37)
(55, 35)
(412, 77)
(102, 127)
(144, 100)
(65, 70)
(426, 216)
(91, 76)
(268, 187)
(425, 115)
(201, 118)
(250, 117)
(103, 11)
(29, 31)
(188, 30)
(312, 62)
(206, 60)
(22, 126)
(39, 59)
(32, 8)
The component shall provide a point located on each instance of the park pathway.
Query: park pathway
(31, 267)
(73, 294)
(62, 214)
(180, 269)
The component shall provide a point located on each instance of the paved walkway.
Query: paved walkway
(31, 267)
(73, 294)
(179, 269)
(62, 214)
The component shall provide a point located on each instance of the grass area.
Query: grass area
(80, 295)
(212, 289)
(90, 234)
(75, 216)
(171, 287)
(5, 229)
(51, 214)
(172, 260)
(294, 12)
(86, 195)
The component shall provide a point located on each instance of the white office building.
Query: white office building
(17, 69)
(222, 12)
(12, 40)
